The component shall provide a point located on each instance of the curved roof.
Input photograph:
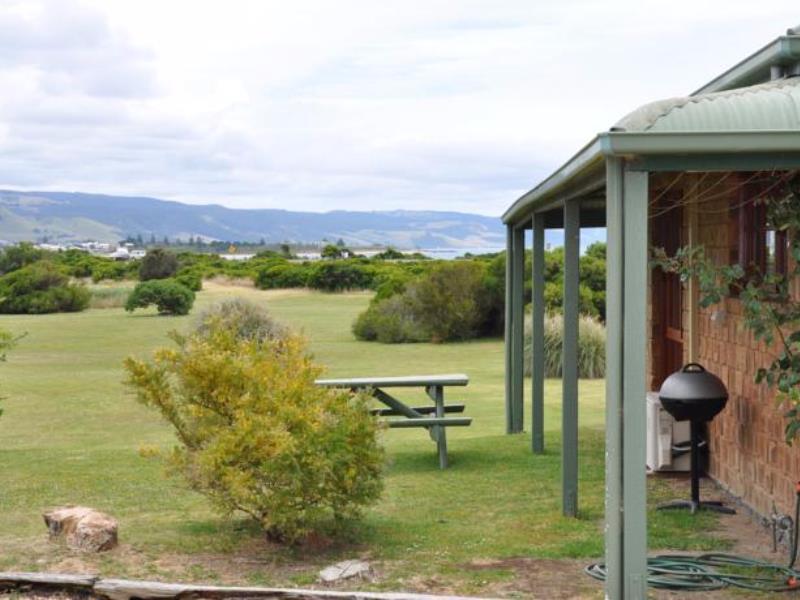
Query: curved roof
(767, 106)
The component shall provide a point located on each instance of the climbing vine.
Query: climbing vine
(770, 305)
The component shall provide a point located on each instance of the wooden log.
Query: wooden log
(120, 589)
(123, 589)
(11, 581)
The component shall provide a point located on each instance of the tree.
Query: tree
(331, 251)
(169, 296)
(158, 264)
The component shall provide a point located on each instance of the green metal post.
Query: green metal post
(614, 329)
(634, 416)
(508, 329)
(569, 357)
(537, 336)
(518, 328)
(626, 303)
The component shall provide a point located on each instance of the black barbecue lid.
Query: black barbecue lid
(693, 382)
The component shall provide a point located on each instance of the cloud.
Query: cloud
(352, 104)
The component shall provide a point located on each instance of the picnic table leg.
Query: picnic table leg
(436, 392)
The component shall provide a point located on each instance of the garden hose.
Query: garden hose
(706, 572)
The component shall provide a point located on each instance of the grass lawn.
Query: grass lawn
(71, 432)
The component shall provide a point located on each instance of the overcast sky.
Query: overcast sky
(342, 104)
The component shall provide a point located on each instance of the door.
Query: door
(667, 296)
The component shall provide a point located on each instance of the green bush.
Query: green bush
(280, 276)
(192, 279)
(18, 256)
(591, 347)
(452, 302)
(158, 264)
(256, 434)
(40, 287)
(340, 275)
(245, 320)
(169, 296)
(391, 321)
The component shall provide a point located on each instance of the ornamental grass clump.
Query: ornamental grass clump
(591, 347)
(256, 435)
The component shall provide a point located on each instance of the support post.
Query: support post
(626, 284)
(634, 415)
(518, 328)
(614, 328)
(569, 357)
(537, 336)
(507, 331)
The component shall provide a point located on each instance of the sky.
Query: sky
(347, 104)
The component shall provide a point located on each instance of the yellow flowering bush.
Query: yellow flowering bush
(256, 435)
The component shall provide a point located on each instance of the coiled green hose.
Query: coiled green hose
(681, 572)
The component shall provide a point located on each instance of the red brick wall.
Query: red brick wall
(747, 453)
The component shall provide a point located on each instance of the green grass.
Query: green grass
(71, 432)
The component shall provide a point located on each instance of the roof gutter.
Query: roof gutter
(756, 68)
(627, 144)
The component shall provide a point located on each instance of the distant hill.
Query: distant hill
(65, 217)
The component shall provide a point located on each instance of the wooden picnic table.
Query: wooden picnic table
(413, 416)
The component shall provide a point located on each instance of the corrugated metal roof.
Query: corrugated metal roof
(767, 106)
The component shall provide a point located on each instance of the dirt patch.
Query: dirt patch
(534, 578)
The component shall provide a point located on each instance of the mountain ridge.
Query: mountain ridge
(76, 216)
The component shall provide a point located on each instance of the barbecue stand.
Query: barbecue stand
(693, 394)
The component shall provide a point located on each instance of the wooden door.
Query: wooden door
(667, 298)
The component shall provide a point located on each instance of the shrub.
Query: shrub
(112, 270)
(336, 276)
(18, 256)
(169, 296)
(391, 321)
(245, 320)
(282, 275)
(158, 264)
(256, 434)
(191, 279)
(591, 347)
(39, 288)
(452, 302)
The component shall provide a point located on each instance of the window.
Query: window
(760, 249)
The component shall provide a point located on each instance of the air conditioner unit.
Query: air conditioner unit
(668, 440)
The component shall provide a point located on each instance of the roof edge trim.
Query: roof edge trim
(755, 68)
(698, 142)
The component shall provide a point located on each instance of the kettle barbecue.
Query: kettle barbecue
(693, 394)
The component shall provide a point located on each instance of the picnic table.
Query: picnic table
(431, 417)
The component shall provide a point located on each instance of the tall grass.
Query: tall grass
(106, 296)
(591, 347)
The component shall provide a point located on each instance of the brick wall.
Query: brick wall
(747, 453)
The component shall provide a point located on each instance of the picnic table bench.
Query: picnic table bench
(430, 417)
